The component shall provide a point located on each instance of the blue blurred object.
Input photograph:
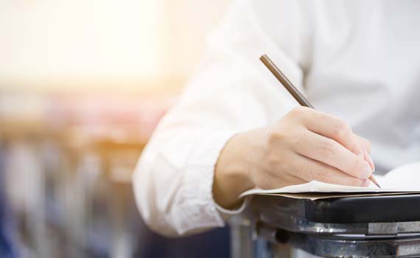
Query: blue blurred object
(213, 243)
(8, 243)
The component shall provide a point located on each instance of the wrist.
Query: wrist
(232, 172)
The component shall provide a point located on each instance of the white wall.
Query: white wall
(187, 24)
(79, 38)
(120, 40)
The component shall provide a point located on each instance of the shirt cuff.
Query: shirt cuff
(199, 208)
(227, 213)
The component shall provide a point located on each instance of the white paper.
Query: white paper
(404, 179)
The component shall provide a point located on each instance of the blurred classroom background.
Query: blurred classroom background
(83, 83)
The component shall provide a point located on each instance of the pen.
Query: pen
(293, 90)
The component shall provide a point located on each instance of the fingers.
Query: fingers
(366, 146)
(331, 153)
(336, 129)
(333, 128)
(365, 143)
(310, 170)
(324, 148)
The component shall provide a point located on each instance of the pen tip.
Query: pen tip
(374, 181)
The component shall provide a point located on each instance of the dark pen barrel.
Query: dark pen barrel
(286, 83)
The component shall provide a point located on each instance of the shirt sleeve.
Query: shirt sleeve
(231, 92)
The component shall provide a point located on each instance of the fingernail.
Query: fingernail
(366, 183)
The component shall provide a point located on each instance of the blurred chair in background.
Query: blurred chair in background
(70, 179)
(8, 240)
(211, 244)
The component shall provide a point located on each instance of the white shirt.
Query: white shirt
(359, 60)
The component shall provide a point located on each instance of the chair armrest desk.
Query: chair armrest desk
(367, 226)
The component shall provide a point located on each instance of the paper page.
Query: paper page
(318, 196)
(403, 177)
(403, 180)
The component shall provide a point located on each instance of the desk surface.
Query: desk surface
(364, 209)
(368, 226)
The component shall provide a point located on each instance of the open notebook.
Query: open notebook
(402, 180)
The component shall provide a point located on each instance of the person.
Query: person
(236, 128)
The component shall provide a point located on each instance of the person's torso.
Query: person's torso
(365, 68)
